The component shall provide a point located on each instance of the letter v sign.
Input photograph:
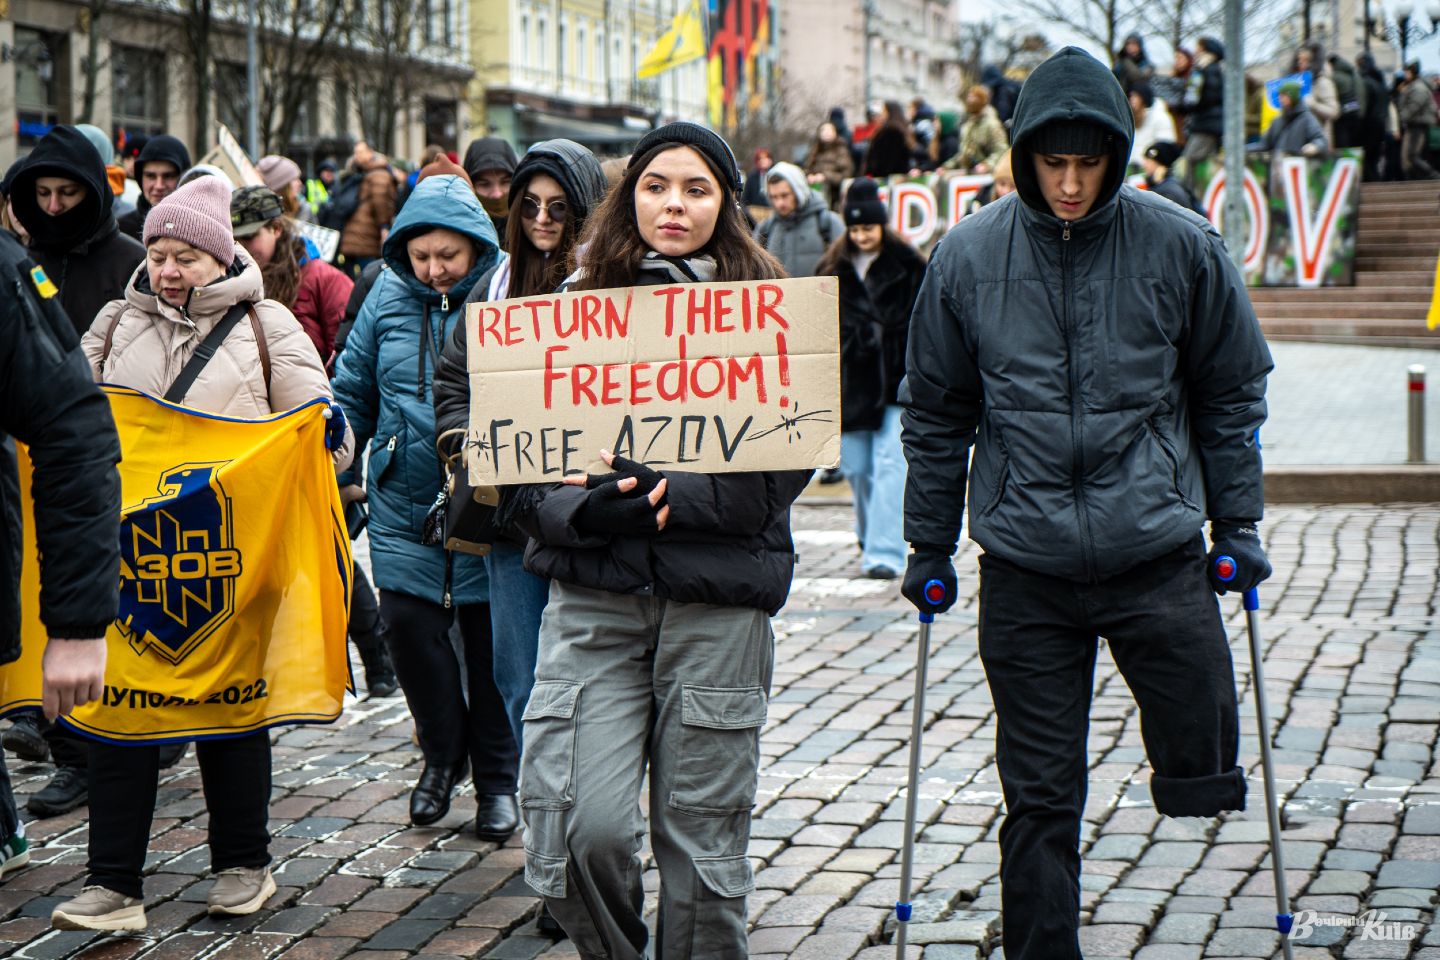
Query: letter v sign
(1311, 236)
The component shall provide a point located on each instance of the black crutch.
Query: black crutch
(1225, 570)
(935, 594)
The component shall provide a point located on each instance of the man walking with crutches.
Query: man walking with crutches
(1094, 344)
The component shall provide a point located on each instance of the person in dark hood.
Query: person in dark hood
(157, 170)
(62, 197)
(490, 162)
(556, 186)
(1110, 411)
(892, 148)
(1372, 122)
(1132, 65)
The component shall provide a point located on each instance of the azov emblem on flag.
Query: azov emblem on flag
(178, 563)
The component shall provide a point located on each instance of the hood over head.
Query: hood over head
(991, 75)
(163, 147)
(99, 141)
(63, 152)
(572, 166)
(795, 177)
(1213, 47)
(1079, 98)
(489, 153)
(442, 201)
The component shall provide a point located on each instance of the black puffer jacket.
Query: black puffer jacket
(49, 401)
(1113, 367)
(875, 318)
(82, 249)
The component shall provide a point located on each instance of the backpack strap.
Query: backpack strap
(260, 345)
(204, 353)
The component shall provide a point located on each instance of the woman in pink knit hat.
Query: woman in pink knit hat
(193, 275)
(282, 175)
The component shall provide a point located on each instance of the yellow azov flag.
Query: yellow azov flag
(235, 579)
(682, 43)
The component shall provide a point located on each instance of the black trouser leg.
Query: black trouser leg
(494, 757)
(1165, 632)
(123, 785)
(1039, 661)
(364, 609)
(66, 748)
(418, 634)
(235, 773)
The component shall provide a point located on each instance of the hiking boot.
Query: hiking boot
(25, 739)
(14, 852)
(240, 890)
(67, 789)
(98, 908)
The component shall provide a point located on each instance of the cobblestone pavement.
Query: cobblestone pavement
(1353, 673)
(1358, 397)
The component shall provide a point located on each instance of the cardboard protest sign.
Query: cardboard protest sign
(228, 155)
(706, 377)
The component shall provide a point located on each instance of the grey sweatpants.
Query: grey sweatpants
(624, 682)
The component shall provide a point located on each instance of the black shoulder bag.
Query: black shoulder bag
(206, 351)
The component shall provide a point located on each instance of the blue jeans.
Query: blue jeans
(517, 601)
(874, 465)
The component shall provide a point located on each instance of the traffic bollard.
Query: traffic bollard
(1415, 422)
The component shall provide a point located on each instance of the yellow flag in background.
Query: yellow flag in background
(235, 579)
(1432, 317)
(682, 43)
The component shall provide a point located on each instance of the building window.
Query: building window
(342, 107)
(582, 50)
(37, 100)
(542, 55)
(138, 88)
(447, 23)
(427, 16)
(523, 47)
(563, 36)
(231, 101)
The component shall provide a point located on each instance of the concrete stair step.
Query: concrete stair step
(1410, 188)
(1391, 263)
(1396, 276)
(1324, 328)
(1393, 249)
(1342, 311)
(1349, 295)
(1368, 236)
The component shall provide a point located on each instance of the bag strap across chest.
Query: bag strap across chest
(206, 350)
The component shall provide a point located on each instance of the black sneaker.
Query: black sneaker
(832, 475)
(66, 790)
(25, 740)
(548, 926)
(880, 572)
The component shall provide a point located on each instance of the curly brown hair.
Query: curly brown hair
(611, 247)
(282, 274)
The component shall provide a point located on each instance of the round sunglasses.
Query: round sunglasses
(530, 209)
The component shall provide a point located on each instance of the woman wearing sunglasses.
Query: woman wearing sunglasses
(557, 183)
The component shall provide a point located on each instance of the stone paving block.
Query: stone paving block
(296, 921)
(1194, 928)
(1242, 942)
(1169, 951)
(781, 940)
(1111, 939)
(405, 934)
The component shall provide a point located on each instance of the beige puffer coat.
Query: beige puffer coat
(153, 340)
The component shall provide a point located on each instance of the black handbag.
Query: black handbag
(462, 518)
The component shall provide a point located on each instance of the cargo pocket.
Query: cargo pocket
(719, 750)
(546, 875)
(726, 876)
(547, 769)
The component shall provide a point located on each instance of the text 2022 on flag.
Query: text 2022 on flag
(235, 579)
(709, 377)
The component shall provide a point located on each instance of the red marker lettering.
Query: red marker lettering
(669, 293)
(768, 297)
(550, 375)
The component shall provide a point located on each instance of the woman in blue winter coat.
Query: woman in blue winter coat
(440, 245)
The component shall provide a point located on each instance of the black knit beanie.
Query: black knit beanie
(709, 143)
(1074, 137)
(862, 203)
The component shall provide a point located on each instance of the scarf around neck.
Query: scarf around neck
(676, 269)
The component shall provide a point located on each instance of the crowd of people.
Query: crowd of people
(618, 625)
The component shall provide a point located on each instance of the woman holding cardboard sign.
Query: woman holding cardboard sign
(655, 647)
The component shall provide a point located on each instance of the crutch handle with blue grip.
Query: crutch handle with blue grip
(1226, 569)
(936, 596)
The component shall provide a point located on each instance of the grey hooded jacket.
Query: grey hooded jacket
(801, 239)
(1109, 372)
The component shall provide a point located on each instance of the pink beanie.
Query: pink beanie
(278, 172)
(199, 214)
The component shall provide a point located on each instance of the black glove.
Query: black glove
(929, 562)
(646, 480)
(610, 510)
(1239, 541)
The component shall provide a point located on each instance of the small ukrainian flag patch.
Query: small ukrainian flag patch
(43, 284)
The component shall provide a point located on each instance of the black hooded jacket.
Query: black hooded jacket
(164, 148)
(49, 402)
(82, 249)
(1108, 372)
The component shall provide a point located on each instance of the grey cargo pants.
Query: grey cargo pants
(624, 682)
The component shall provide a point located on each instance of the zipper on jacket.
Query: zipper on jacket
(448, 566)
(1076, 434)
(445, 302)
(390, 447)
